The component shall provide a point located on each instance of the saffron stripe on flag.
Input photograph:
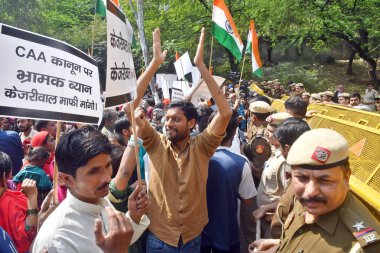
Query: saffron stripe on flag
(219, 4)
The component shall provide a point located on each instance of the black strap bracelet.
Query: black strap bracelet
(32, 212)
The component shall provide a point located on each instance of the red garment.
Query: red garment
(39, 138)
(62, 190)
(12, 219)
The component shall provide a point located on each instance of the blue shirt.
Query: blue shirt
(225, 175)
(10, 143)
(6, 244)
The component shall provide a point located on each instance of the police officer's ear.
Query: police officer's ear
(285, 150)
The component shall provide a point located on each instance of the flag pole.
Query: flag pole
(209, 65)
(242, 71)
(55, 175)
(132, 106)
(93, 31)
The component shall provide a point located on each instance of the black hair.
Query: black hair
(203, 116)
(119, 138)
(77, 147)
(159, 105)
(187, 107)
(231, 127)
(289, 131)
(37, 153)
(296, 105)
(355, 94)
(150, 101)
(122, 124)
(117, 152)
(261, 98)
(40, 124)
(261, 116)
(5, 164)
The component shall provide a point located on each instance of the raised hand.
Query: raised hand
(29, 188)
(158, 55)
(198, 59)
(119, 235)
(140, 117)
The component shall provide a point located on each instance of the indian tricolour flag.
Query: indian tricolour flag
(101, 6)
(224, 30)
(253, 49)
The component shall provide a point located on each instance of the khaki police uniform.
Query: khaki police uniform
(349, 228)
(257, 150)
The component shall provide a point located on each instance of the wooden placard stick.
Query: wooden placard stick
(132, 108)
(55, 177)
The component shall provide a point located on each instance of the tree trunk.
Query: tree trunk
(363, 54)
(139, 16)
(350, 61)
(269, 50)
(232, 62)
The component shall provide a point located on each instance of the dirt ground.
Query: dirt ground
(336, 73)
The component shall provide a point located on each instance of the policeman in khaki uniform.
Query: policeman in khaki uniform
(326, 217)
(258, 151)
(273, 179)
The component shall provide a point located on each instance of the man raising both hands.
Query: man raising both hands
(179, 168)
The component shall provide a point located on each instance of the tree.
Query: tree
(323, 23)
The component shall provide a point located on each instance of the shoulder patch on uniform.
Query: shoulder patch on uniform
(260, 149)
(365, 235)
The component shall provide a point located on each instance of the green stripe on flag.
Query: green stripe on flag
(258, 72)
(100, 8)
(226, 40)
(248, 48)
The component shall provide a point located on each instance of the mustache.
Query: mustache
(103, 186)
(313, 199)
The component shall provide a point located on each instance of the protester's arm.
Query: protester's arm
(144, 79)
(46, 208)
(29, 188)
(235, 146)
(127, 165)
(219, 124)
(264, 245)
(262, 210)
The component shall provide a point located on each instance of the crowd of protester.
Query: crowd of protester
(215, 178)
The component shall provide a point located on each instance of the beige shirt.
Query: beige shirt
(177, 184)
(273, 180)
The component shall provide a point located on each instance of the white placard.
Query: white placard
(169, 78)
(202, 91)
(121, 75)
(44, 78)
(195, 75)
(177, 94)
(180, 85)
(183, 66)
(165, 88)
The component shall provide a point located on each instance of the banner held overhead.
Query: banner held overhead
(121, 75)
(44, 78)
